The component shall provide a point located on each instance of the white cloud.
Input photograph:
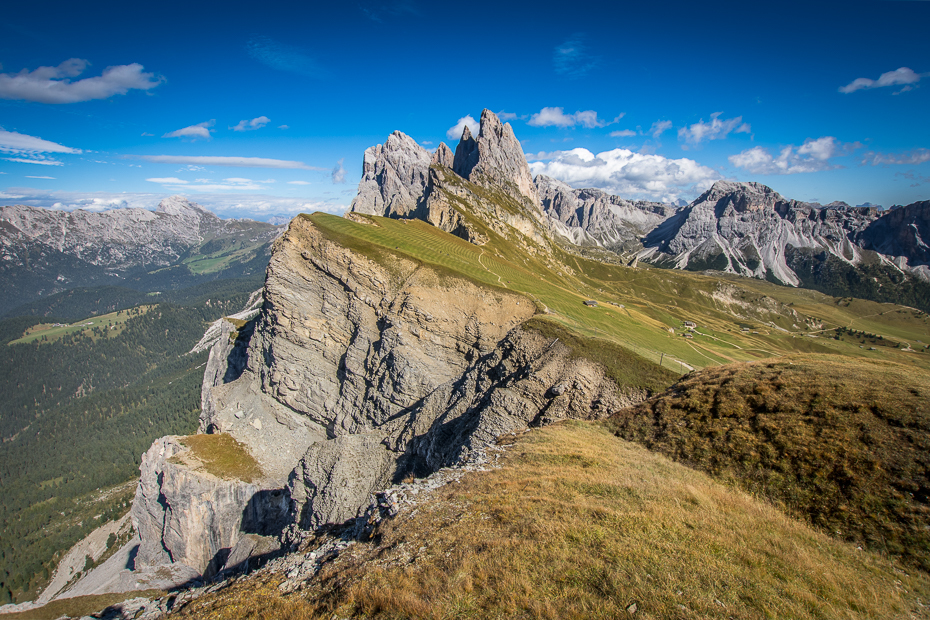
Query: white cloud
(200, 130)
(283, 127)
(53, 84)
(555, 117)
(623, 133)
(659, 127)
(237, 162)
(455, 132)
(821, 148)
(32, 177)
(168, 180)
(255, 123)
(716, 129)
(902, 76)
(298, 182)
(629, 174)
(339, 173)
(19, 143)
(812, 156)
(912, 157)
(542, 155)
(42, 162)
(206, 185)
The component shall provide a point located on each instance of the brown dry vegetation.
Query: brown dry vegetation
(580, 524)
(222, 456)
(842, 443)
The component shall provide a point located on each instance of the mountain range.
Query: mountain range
(740, 228)
(44, 251)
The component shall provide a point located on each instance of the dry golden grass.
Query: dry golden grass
(222, 456)
(842, 443)
(580, 524)
(78, 606)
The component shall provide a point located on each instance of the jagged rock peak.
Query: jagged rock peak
(466, 154)
(394, 177)
(443, 156)
(501, 160)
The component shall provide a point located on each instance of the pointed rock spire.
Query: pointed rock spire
(443, 156)
(466, 154)
(495, 158)
(394, 177)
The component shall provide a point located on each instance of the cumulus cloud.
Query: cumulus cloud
(200, 130)
(298, 182)
(339, 173)
(912, 157)
(629, 174)
(572, 58)
(237, 162)
(255, 123)
(284, 57)
(623, 133)
(54, 85)
(509, 116)
(812, 156)
(903, 76)
(716, 129)
(455, 132)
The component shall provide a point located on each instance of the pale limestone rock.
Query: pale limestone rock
(394, 176)
(443, 156)
(594, 217)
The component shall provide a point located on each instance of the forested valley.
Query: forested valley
(77, 413)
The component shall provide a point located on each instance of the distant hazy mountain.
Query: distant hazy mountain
(44, 251)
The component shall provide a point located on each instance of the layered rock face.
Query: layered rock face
(190, 517)
(594, 217)
(745, 228)
(360, 370)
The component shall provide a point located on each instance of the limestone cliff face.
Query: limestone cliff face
(188, 516)
(903, 234)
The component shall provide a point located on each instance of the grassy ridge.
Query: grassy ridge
(638, 307)
(844, 444)
(579, 524)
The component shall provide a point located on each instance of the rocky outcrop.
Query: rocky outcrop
(185, 515)
(394, 176)
(594, 217)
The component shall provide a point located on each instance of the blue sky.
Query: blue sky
(264, 109)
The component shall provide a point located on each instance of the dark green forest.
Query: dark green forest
(77, 414)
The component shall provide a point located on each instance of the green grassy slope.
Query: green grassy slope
(638, 307)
